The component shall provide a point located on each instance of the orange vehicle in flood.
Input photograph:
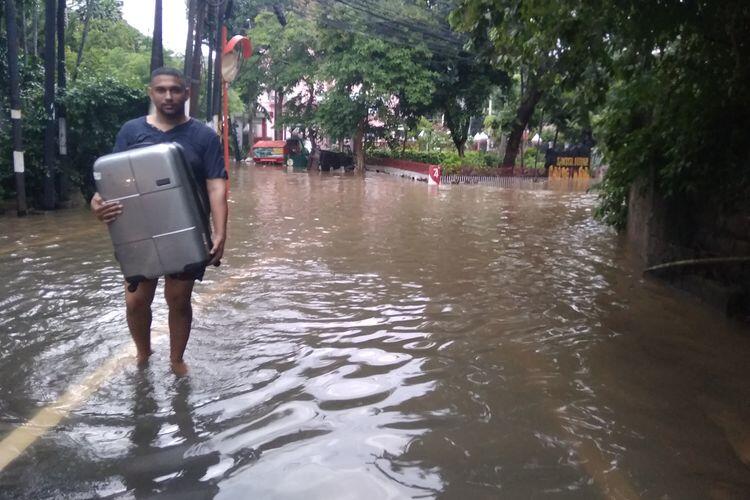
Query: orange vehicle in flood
(269, 152)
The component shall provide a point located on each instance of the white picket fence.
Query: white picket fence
(507, 182)
(517, 182)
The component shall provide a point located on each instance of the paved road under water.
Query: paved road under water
(376, 339)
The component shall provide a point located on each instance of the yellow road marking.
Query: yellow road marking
(13, 445)
(611, 481)
(48, 417)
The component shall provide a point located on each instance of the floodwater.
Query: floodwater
(370, 339)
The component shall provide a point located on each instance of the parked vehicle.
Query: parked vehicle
(331, 160)
(281, 153)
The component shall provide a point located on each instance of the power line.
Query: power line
(408, 22)
(445, 42)
(390, 33)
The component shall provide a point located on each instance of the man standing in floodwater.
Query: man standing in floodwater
(169, 123)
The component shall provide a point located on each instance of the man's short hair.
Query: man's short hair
(167, 71)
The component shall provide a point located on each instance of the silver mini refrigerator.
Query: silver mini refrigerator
(163, 228)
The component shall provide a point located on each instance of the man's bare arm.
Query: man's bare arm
(217, 199)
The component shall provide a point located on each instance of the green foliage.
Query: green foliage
(432, 137)
(110, 89)
(532, 157)
(33, 123)
(613, 198)
(678, 112)
(371, 77)
(113, 48)
(236, 106)
(452, 163)
(493, 124)
(287, 58)
(554, 47)
(676, 86)
(100, 9)
(462, 87)
(97, 107)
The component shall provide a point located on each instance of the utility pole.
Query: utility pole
(35, 28)
(188, 66)
(157, 49)
(62, 129)
(48, 202)
(209, 73)
(15, 106)
(195, 73)
(217, 81)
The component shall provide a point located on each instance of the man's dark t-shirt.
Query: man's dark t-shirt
(201, 145)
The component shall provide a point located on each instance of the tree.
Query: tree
(86, 10)
(367, 77)
(86, 26)
(677, 114)
(108, 91)
(288, 56)
(551, 43)
(463, 86)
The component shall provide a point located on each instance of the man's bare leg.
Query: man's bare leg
(178, 294)
(138, 311)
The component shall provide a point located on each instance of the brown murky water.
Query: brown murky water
(377, 339)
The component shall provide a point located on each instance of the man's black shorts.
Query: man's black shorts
(190, 275)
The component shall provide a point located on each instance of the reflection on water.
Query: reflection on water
(167, 454)
(377, 339)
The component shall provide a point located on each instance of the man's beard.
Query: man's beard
(177, 109)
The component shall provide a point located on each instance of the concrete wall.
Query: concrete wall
(666, 230)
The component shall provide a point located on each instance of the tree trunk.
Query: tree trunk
(63, 186)
(523, 114)
(358, 144)
(15, 106)
(157, 49)
(48, 201)
(22, 33)
(84, 35)
(233, 138)
(195, 72)
(210, 80)
(188, 66)
(539, 144)
(35, 28)
(312, 134)
(459, 129)
(251, 126)
(278, 106)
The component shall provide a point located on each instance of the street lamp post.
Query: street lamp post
(233, 53)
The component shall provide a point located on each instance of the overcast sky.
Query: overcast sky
(140, 15)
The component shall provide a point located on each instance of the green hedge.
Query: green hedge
(96, 108)
(449, 160)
